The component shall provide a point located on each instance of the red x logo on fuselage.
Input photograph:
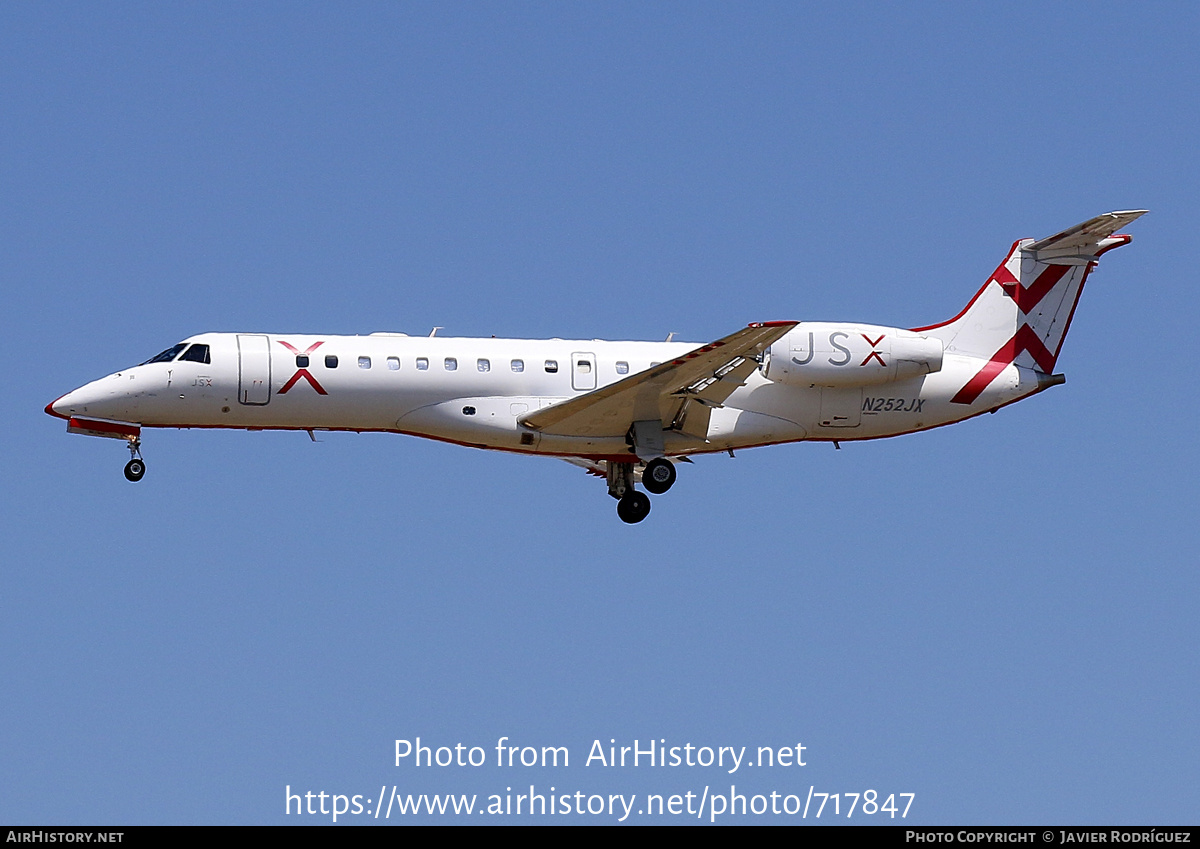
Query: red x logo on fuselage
(301, 368)
(874, 355)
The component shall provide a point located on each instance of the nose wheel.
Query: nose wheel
(136, 467)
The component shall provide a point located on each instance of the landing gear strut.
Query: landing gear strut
(632, 506)
(136, 467)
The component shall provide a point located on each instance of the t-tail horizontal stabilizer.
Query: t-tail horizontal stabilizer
(1082, 243)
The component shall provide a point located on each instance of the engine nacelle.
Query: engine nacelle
(836, 354)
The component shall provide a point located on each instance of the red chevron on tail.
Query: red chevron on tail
(1025, 341)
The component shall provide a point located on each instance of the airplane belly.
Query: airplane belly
(489, 422)
(730, 427)
(492, 422)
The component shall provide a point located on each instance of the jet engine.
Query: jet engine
(835, 354)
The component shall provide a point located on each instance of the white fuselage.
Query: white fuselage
(625, 411)
(472, 391)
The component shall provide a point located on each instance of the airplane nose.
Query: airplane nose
(58, 407)
(106, 398)
(75, 402)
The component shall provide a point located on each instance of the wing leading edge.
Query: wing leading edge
(680, 393)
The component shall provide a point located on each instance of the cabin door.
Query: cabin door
(254, 370)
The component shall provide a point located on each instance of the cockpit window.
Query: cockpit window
(197, 354)
(167, 355)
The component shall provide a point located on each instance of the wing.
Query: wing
(679, 393)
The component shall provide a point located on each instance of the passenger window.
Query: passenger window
(622, 367)
(394, 363)
(422, 363)
(364, 362)
(197, 354)
(484, 365)
(331, 361)
(518, 365)
(584, 366)
(301, 361)
(451, 363)
(552, 366)
(652, 365)
(468, 411)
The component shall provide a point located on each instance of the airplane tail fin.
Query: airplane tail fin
(1023, 312)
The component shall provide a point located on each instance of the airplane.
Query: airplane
(628, 412)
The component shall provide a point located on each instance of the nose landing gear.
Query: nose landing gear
(136, 467)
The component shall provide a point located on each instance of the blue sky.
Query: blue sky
(998, 616)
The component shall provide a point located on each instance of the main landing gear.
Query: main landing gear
(136, 467)
(658, 476)
(633, 506)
